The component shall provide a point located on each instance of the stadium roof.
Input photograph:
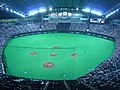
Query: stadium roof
(24, 6)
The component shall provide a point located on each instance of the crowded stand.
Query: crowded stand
(107, 74)
(78, 26)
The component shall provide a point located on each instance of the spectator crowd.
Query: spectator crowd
(107, 74)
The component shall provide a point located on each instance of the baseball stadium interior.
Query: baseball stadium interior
(59, 44)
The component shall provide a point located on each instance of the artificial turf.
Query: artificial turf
(26, 55)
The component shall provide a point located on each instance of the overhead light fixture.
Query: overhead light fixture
(33, 13)
(2, 5)
(50, 9)
(86, 10)
(112, 13)
(96, 12)
(99, 13)
(11, 10)
(7, 9)
(92, 11)
(42, 10)
(22, 15)
(14, 12)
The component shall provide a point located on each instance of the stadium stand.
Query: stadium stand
(106, 75)
(78, 26)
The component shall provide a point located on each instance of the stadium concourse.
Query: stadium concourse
(106, 75)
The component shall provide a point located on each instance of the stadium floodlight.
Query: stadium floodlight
(7, 9)
(95, 12)
(11, 10)
(33, 13)
(14, 12)
(2, 5)
(86, 10)
(22, 15)
(42, 10)
(107, 16)
(50, 9)
(98, 13)
(92, 11)
(112, 13)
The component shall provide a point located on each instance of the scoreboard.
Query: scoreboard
(66, 16)
(70, 16)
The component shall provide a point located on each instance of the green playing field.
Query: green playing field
(56, 56)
